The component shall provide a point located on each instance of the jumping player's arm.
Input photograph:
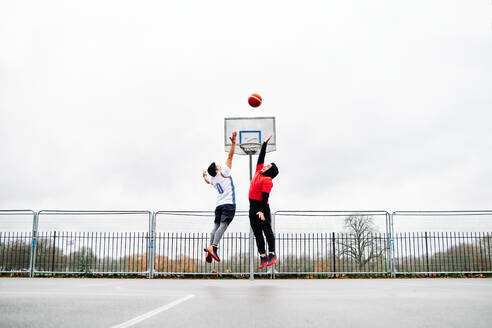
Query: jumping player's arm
(266, 188)
(231, 151)
(205, 177)
(261, 157)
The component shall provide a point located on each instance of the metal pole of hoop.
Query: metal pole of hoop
(251, 240)
(250, 149)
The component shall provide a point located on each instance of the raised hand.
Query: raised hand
(233, 138)
(204, 173)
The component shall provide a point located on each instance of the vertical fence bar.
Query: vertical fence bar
(53, 253)
(389, 245)
(489, 250)
(272, 276)
(2, 253)
(334, 254)
(9, 251)
(392, 244)
(386, 245)
(34, 239)
(151, 252)
(427, 253)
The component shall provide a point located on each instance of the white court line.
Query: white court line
(152, 313)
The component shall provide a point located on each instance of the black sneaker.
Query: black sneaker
(216, 253)
(263, 261)
(272, 258)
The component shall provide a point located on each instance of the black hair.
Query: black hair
(272, 172)
(212, 169)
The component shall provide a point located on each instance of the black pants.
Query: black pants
(225, 213)
(261, 227)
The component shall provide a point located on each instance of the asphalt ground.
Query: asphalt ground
(64, 302)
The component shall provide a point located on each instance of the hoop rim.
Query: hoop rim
(250, 148)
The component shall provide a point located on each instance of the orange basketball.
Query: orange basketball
(254, 100)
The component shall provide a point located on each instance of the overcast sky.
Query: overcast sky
(121, 104)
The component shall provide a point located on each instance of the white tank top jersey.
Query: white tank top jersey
(223, 183)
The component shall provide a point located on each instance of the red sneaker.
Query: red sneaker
(212, 251)
(272, 259)
(208, 258)
(263, 262)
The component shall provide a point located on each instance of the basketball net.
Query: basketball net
(250, 148)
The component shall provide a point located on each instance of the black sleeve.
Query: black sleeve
(261, 157)
(264, 201)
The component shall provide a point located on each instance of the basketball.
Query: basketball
(254, 100)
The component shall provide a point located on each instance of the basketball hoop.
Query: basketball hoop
(251, 132)
(250, 148)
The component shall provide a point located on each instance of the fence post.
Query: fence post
(427, 253)
(251, 252)
(391, 244)
(334, 251)
(151, 250)
(34, 241)
(272, 275)
(53, 255)
(388, 247)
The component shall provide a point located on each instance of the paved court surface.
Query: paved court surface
(45, 302)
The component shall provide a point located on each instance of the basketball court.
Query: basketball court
(121, 303)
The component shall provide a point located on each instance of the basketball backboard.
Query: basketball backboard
(251, 131)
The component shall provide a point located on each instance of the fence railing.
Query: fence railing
(152, 252)
(182, 253)
(443, 252)
(430, 251)
(13, 256)
(15, 251)
(332, 253)
(92, 252)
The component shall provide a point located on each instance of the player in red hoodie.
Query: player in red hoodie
(259, 210)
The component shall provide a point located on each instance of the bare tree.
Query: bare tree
(84, 259)
(364, 243)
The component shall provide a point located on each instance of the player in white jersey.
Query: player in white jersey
(221, 180)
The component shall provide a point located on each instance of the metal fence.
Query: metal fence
(332, 253)
(91, 252)
(16, 251)
(95, 252)
(448, 242)
(182, 252)
(324, 247)
(325, 243)
(443, 252)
